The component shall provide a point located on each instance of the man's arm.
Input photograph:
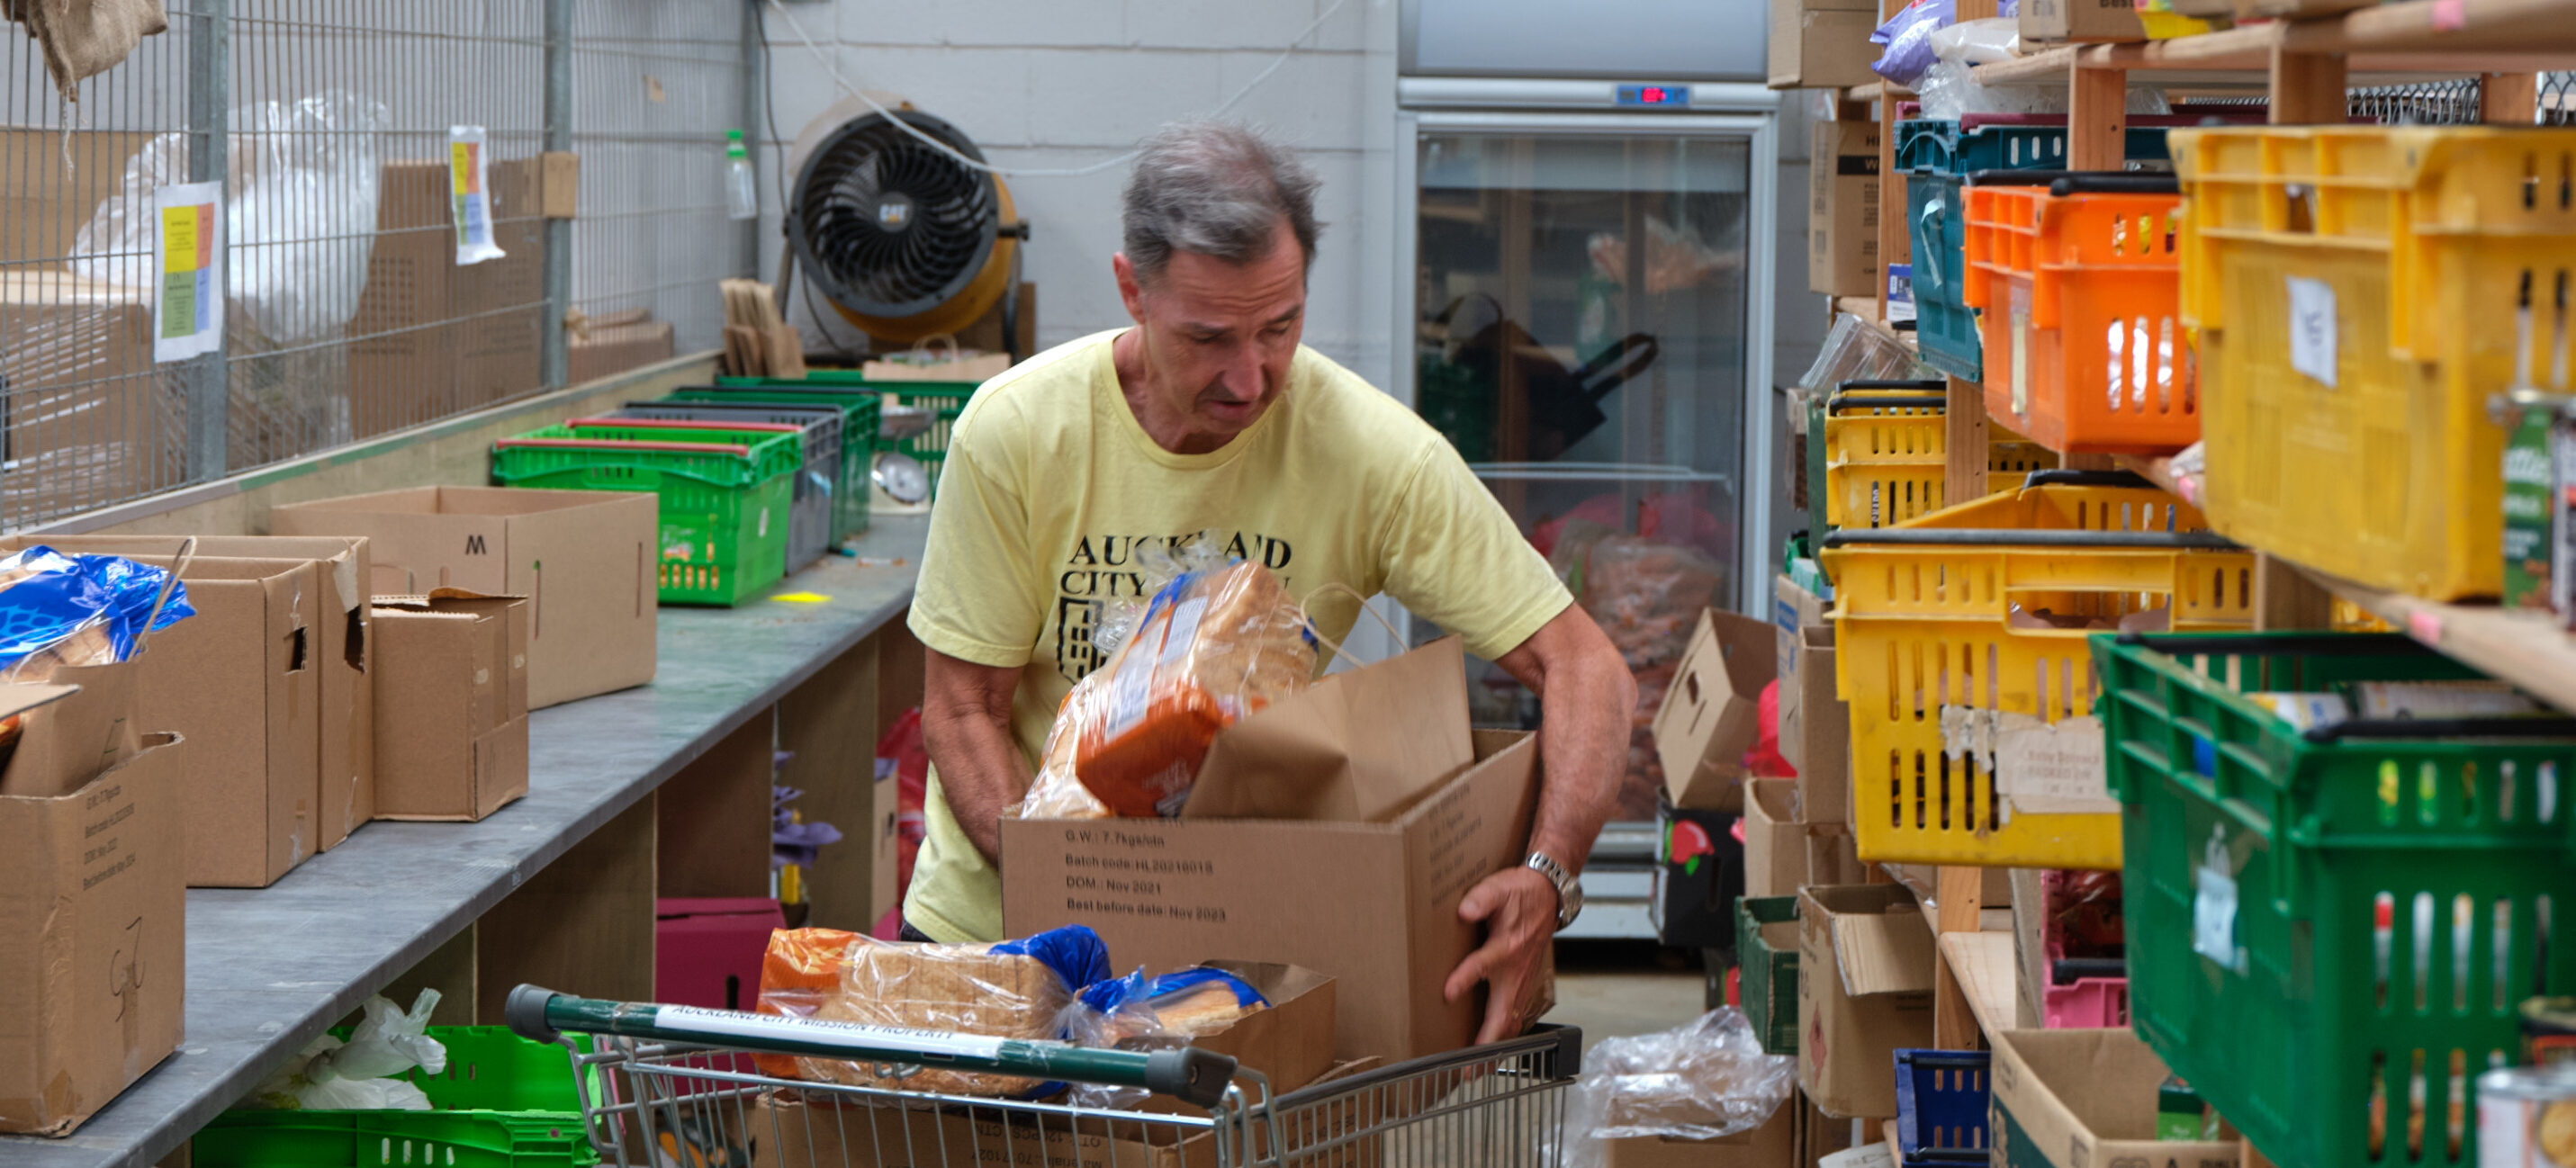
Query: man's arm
(1587, 701)
(966, 726)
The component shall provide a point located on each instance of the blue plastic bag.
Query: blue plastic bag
(1074, 952)
(1107, 996)
(1908, 37)
(49, 599)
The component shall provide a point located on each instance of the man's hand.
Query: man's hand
(1517, 906)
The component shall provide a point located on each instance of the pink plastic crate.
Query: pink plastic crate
(2091, 1003)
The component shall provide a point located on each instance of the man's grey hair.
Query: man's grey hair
(1216, 189)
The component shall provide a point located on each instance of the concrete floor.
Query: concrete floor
(1623, 988)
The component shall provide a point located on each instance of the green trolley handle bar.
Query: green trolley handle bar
(2020, 537)
(1189, 1074)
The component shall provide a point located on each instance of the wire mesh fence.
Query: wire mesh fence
(345, 311)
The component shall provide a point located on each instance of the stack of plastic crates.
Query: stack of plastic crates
(1937, 155)
(1961, 630)
(809, 501)
(1878, 453)
(724, 496)
(2330, 929)
(945, 399)
(502, 1102)
(2075, 286)
(2080, 992)
(2360, 292)
(858, 435)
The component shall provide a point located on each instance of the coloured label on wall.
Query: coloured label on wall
(469, 169)
(188, 301)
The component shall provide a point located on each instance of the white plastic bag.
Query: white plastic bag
(358, 1075)
(1702, 1081)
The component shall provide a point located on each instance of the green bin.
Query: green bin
(1766, 948)
(2331, 923)
(725, 496)
(947, 400)
(858, 437)
(502, 1102)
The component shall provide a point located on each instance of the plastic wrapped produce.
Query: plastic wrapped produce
(1011, 989)
(1056, 793)
(362, 1074)
(58, 610)
(1211, 647)
(1137, 1012)
(1646, 595)
(1702, 1081)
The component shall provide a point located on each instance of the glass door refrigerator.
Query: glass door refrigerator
(1583, 307)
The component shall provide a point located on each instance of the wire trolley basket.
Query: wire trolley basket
(682, 1087)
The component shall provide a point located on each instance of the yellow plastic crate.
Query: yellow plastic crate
(2428, 249)
(1926, 630)
(1887, 456)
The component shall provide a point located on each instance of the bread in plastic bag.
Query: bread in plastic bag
(1055, 793)
(65, 610)
(360, 1074)
(1703, 1081)
(1213, 646)
(1009, 989)
(1138, 1012)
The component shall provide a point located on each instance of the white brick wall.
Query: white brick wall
(1051, 84)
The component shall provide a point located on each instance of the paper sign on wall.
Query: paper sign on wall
(188, 299)
(2312, 329)
(469, 178)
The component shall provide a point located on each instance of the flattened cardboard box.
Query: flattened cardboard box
(1864, 990)
(452, 709)
(2085, 1099)
(93, 899)
(584, 560)
(1372, 905)
(1712, 711)
(345, 759)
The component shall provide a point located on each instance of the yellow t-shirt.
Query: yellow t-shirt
(1051, 486)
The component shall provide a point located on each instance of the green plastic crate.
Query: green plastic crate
(2262, 865)
(929, 448)
(502, 1102)
(858, 439)
(723, 514)
(1769, 985)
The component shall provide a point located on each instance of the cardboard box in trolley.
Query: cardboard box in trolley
(93, 898)
(584, 560)
(451, 704)
(1366, 846)
(1864, 991)
(2084, 1099)
(1712, 711)
(1772, 1145)
(1842, 207)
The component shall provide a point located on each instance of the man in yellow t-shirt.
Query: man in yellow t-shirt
(1208, 421)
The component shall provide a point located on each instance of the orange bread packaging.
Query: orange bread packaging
(1212, 647)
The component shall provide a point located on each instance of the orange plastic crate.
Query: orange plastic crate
(2078, 295)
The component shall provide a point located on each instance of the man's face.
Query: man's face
(1217, 339)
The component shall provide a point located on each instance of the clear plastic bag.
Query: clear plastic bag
(1211, 647)
(360, 1074)
(1856, 351)
(66, 610)
(1702, 1081)
(1055, 793)
(1011, 989)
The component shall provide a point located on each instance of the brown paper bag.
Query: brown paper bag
(1355, 747)
(926, 365)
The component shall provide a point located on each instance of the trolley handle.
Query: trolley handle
(1952, 536)
(2068, 477)
(1189, 1074)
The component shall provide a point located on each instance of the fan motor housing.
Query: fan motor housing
(903, 240)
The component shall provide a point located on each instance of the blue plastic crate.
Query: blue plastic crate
(1941, 1098)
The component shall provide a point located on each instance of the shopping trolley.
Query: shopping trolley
(684, 1087)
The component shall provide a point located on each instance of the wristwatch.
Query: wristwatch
(1569, 893)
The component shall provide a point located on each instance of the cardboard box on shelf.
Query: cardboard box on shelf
(1775, 843)
(1821, 1135)
(707, 951)
(607, 351)
(1815, 724)
(1842, 208)
(1833, 856)
(2081, 20)
(1865, 959)
(88, 420)
(584, 560)
(1374, 905)
(1821, 44)
(344, 758)
(93, 894)
(85, 718)
(451, 704)
(1711, 711)
(2084, 1098)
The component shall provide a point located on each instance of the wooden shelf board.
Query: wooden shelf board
(1875, 90)
(2432, 37)
(1982, 962)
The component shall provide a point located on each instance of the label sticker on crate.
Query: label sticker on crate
(2312, 328)
(188, 301)
(858, 1037)
(2213, 906)
(2040, 768)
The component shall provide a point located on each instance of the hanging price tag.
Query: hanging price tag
(2312, 329)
